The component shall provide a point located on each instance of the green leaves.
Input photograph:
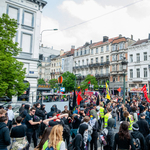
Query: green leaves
(53, 83)
(12, 73)
(68, 81)
(41, 81)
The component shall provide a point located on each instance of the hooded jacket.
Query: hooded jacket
(39, 113)
(137, 134)
(110, 135)
(50, 114)
(4, 136)
(79, 137)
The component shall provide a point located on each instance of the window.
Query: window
(101, 70)
(138, 57)
(113, 47)
(132, 85)
(107, 58)
(28, 18)
(81, 52)
(87, 61)
(92, 61)
(121, 78)
(97, 60)
(116, 47)
(86, 71)
(114, 57)
(107, 70)
(85, 51)
(77, 53)
(78, 63)
(114, 79)
(107, 48)
(113, 67)
(138, 73)
(96, 71)
(102, 50)
(120, 67)
(96, 50)
(26, 43)
(121, 45)
(91, 51)
(102, 60)
(131, 73)
(145, 72)
(75, 63)
(141, 85)
(131, 58)
(82, 62)
(145, 56)
(120, 56)
(13, 13)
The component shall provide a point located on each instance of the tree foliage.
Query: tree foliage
(92, 79)
(12, 73)
(68, 81)
(41, 81)
(53, 83)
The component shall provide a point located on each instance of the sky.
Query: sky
(80, 21)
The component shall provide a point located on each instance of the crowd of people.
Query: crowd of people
(88, 125)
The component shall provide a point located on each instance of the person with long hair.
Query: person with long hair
(44, 138)
(123, 140)
(55, 139)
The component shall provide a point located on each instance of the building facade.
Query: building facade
(138, 66)
(28, 16)
(119, 51)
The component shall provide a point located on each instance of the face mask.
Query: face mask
(91, 118)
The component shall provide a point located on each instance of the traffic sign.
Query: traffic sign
(60, 79)
(62, 89)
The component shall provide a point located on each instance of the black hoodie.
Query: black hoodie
(50, 114)
(4, 136)
(79, 137)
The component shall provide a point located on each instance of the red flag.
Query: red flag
(79, 93)
(79, 99)
(89, 82)
(119, 90)
(86, 89)
(145, 93)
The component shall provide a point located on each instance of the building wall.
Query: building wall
(28, 16)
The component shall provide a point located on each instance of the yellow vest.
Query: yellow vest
(131, 122)
(101, 112)
(106, 120)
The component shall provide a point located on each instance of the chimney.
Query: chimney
(91, 42)
(61, 52)
(72, 47)
(105, 38)
(120, 35)
(149, 36)
(131, 37)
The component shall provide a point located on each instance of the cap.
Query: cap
(135, 126)
(81, 109)
(142, 114)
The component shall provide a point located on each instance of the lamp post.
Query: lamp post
(124, 66)
(47, 30)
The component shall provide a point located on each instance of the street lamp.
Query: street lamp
(47, 30)
(124, 67)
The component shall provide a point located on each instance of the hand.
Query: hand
(55, 117)
(41, 121)
(58, 120)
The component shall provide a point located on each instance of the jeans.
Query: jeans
(32, 135)
(93, 142)
(115, 121)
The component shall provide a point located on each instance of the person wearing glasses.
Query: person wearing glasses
(31, 133)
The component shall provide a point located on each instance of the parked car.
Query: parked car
(16, 112)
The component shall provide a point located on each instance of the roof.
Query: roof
(102, 43)
(68, 53)
(39, 2)
(140, 42)
(118, 40)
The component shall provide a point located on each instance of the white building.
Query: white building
(28, 15)
(138, 66)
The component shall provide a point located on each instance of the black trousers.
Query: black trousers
(32, 135)
(9, 124)
(67, 138)
(93, 142)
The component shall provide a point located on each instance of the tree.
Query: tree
(92, 79)
(53, 83)
(12, 73)
(41, 81)
(68, 81)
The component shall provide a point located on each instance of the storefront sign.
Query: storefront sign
(44, 86)
(137, 90)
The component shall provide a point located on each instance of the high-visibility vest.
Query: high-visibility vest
(101, 112)
(131, 122)
(106, 117)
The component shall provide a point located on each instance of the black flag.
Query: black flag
(74, 99)
(97, 102)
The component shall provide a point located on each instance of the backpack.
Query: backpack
(137, 143)
(51, 148)
(66, 129)
(103, 137)
(71, 145)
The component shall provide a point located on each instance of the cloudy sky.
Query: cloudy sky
(79, 21)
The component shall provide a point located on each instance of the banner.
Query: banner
(107, 92)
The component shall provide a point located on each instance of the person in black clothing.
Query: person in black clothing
(137, 135)
(143, 125)
(19, 132)
(148, 141)
(50, 114)
(31, 133)
(110, 135)
(4, 133)
(39, 112)
(21, 109)
(122, 139)
(142, 106)
(79, 138)
(82, 114)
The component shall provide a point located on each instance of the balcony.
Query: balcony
(91, 65)
(107, 63)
